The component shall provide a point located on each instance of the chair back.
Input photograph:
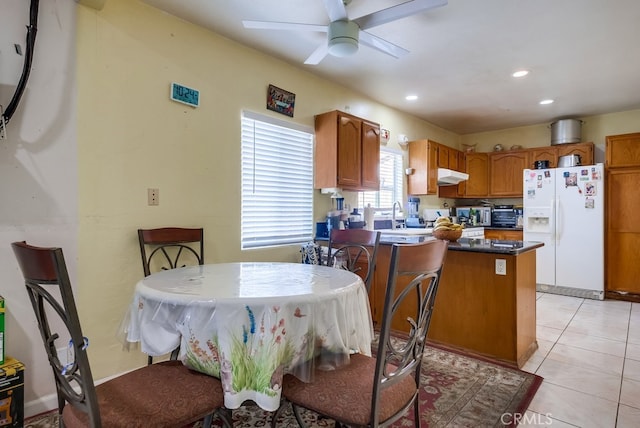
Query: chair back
(412, 284)
(45, 274)
(170, 247)
(355, 250)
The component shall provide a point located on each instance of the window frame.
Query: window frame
(397, 188)
(262, 213)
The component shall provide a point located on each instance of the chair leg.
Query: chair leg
(274, 416)
(296, 413)
(175, 353)
(206, 423)
(149, 360)
(225, 415)
(416, 412)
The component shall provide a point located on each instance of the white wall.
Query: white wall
(38, 168)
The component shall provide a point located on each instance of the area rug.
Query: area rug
(458, 390)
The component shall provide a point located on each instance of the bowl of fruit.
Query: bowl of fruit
(445, 229)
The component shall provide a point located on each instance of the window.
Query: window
(390, 181)
(277, 182)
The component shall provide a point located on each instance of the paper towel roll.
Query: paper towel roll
(369, 213)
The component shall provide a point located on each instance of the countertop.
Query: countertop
(477, 245)
(498, 246)
(515, 229)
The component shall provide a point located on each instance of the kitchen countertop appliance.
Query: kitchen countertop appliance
(413, 213)
(431, 214)
(504, 216)
(474, 216)
(564, 209)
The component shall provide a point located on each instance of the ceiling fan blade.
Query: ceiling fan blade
(382, 45)
(394, 13)
(318, 55)
(269, 25)
(336, 10)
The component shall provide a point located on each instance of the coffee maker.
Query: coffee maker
(413, 213)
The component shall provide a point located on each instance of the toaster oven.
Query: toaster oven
(504, 216)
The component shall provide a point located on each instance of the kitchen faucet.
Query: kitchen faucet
(393, 213)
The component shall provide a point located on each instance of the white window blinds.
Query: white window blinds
(277, 182)
(390, 181)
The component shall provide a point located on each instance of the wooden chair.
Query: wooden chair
(376, 391)
(166, 394)
(355, 250)
(170, 247)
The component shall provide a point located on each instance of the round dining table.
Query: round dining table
(251, 323)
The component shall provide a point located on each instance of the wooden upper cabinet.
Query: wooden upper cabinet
(347, 152)
(370, 155)
(443, 155)
(425, 157)
(454, 156)
(477, 166)
(543, 153)
(458, 165)
(623, 150)
(506, 173)
(585, 150)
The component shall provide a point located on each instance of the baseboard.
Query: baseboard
(569, 291)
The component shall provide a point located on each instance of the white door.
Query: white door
(539, 220)
(580, 227)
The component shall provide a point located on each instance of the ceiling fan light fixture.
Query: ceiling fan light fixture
(343, 38)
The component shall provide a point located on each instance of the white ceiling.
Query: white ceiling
(584, 54)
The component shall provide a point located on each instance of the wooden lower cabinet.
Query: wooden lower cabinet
(622, 229)
(476, 310)
(508, 235)
(622, 248)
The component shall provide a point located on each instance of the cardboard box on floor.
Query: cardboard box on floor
(12, 393)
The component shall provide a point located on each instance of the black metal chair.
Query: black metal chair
(168, 248)
(355, 250)
(376, 391)
(166, 394)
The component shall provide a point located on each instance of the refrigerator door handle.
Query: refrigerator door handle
(558, 219)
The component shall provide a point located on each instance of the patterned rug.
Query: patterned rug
(457, 391)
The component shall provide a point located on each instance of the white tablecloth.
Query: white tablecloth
(249, 323)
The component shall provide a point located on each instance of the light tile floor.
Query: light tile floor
(589, 357)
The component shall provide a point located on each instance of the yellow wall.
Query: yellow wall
(594, 129)
(132, 137)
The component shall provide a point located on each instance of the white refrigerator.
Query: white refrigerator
(564, 209)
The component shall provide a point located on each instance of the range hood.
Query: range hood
(449, 177)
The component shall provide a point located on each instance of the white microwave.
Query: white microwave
(474, 216)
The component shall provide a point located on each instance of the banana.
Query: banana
(443, 223)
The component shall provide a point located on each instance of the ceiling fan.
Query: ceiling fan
(344, 34)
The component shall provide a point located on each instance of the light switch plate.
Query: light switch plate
(501, 267)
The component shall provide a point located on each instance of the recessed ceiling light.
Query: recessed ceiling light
(520, 73)
(411, 97)
(545, 102)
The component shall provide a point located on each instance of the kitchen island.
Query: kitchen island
(486, 302)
